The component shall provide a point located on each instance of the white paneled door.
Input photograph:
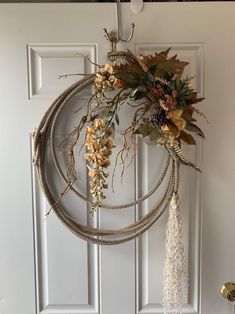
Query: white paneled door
(43, 267)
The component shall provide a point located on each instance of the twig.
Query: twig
(73, 74)
(88, 59)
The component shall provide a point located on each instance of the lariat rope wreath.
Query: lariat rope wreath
(163, 105)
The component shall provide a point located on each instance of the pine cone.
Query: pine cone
(158, 118)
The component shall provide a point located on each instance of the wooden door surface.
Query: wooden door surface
(43, 267)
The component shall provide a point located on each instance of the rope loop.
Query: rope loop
(45, 134)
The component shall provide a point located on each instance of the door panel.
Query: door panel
(151, 251)
(43, 267)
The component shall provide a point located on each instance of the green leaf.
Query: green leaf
(129, 78)
(149, 76)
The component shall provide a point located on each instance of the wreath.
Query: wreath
(164, 111)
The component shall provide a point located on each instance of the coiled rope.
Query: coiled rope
(45, 134)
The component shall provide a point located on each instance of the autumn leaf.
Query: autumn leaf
(172, 66)
(188, 114)
(150, 60)
(194, 101)
(173, 129)
(187, 138)
(164, 65)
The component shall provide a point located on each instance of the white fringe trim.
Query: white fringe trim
(175, 274)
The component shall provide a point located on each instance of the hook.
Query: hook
(119, 23)
(112, 36)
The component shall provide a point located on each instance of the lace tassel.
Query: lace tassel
(175, 267)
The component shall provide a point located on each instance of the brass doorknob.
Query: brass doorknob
(227, 291)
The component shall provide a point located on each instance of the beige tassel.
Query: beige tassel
(174, 269)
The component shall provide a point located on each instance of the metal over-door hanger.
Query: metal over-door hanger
(114, 38)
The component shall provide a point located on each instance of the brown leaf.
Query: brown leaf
(187, 138)
(164, 65)
(194, 100)
(173, 129)
(172, 66)
(188, 114)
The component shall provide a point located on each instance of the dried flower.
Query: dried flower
(157, 91)
(107, 68)
(167, 103)
(99, 124)
(105, 79)
(100, 147)
(170, 102)
(167, 139)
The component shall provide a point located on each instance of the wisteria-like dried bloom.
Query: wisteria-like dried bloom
(99, 147)
(105, 79)
(107, 68)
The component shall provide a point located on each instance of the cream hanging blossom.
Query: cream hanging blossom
(105, 79)
(99, 146)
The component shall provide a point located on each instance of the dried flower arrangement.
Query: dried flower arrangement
(164, 105)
